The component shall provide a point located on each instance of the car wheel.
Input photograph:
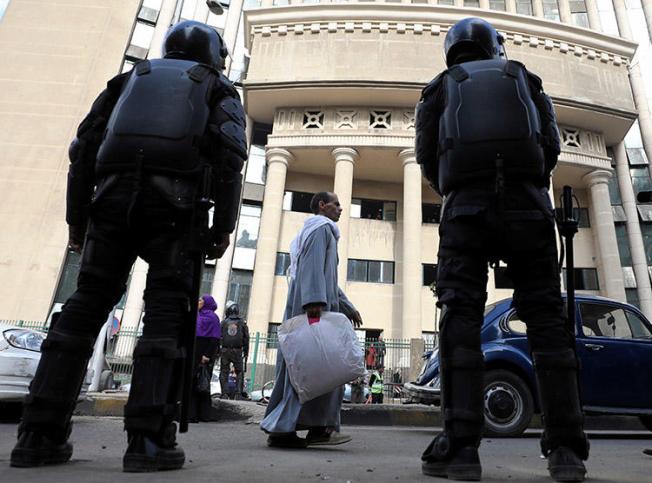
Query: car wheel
(508, 404)
(646, 421)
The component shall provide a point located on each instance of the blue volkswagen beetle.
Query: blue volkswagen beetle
(614, 345)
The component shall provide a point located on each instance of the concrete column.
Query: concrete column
(647, 11)
(594, 15)
(267, 3)
(232, 24)
(260, 301)
(165, 19)
(201, 11)
(510, 6)
(412, 269)
(637, 248)
(484, 4)
(610, 272)
(222, 275)
(345, 159)
(643, 108)
(459, 3)
(537, 8)
(134, 303)
(564, 11)
(620, 9)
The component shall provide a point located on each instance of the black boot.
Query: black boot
(153, 451)
(152, 406)
(45, 428)
(455, 460)
(37, 449)
(563, 442)
(454, 453)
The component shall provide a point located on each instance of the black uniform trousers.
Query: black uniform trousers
(232, 355)
(129, 218)
(479, 226)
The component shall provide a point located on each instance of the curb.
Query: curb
(413, 415)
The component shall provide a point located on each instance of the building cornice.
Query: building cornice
(310, 19)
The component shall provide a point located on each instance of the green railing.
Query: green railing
(28, 324)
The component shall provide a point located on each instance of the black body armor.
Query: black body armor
(164, 136)
(490, 121)
(234, 333)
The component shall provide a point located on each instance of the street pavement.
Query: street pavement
(236, 452)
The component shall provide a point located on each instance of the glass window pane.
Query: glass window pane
(389, 211)
(602, 320)
(623, 245)
(287, 201)
(207, 276)
(472, 3)
(356, 208)
(375, 275)
(357, 270)
(524, 7)
(551, 10)
(446, 2)
(640, 179)
(240, 289)
(580, 19)
(497, 5)
(256, 166)
(246, 237)
(639, 329)
(387, 272)
(430, 213)
(646, 230)
(429, 274)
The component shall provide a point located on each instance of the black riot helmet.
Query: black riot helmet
(191, 40)
(472, 39)
(233, 311)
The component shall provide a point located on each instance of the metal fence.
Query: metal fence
(393, 355)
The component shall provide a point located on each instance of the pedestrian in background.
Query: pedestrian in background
(377, 385)
(313, 289)
(235, 346)
(207, 345)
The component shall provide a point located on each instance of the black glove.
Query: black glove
(76, 235)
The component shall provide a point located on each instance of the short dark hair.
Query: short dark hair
(324, 196)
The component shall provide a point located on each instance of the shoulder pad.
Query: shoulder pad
(114, 85)
(226, 86)
(433, 85)
(534, 79)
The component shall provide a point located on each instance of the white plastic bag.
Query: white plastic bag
(320, 356)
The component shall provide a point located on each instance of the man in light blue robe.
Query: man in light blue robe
(313, 289)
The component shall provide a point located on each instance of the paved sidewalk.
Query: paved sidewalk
(236, 452)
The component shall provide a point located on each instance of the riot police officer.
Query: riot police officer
(156, 139)
(487, 141)
(235, 346)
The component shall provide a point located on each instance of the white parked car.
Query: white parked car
(20, 352)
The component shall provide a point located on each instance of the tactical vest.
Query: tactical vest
(159, 120)
(233, 333)
(489, 122)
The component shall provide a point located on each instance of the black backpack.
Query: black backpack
(159, 119)
(489, 116)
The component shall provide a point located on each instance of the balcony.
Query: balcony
(381, 54)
